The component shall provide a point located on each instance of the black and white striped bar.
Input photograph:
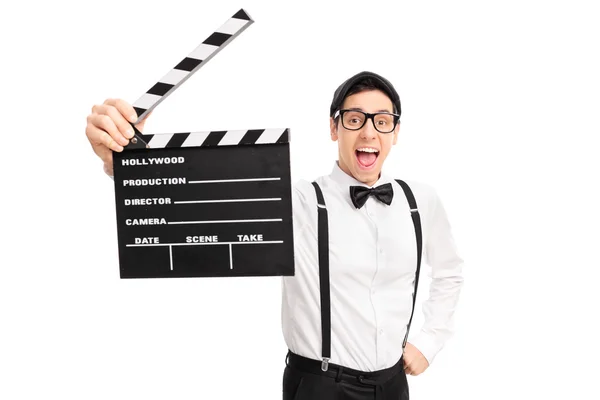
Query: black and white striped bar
(190, 64)
(205, 204)
(216, 138)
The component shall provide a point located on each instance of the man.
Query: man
(347, 310)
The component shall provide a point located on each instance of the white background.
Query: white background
(500, 114)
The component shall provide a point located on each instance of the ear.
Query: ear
(333, 129)
(396, 130)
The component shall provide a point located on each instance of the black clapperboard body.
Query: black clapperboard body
(203, 204)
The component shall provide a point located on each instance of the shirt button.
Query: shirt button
(380, 251)
(372, 291)
(381, 331)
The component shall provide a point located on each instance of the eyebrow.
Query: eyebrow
(360, 109)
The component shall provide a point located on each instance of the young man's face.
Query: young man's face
(363, 167)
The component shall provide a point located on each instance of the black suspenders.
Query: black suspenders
(323, 235)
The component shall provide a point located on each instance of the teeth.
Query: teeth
(367, 150)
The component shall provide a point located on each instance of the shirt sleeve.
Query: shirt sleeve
(446, 282)
(303, 201)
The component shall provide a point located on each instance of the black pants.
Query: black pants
(303, 379)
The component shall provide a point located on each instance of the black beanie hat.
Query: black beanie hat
(341, 92)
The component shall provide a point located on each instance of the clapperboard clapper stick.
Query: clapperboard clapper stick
(204, 204)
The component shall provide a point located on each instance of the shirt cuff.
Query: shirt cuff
(427, 345)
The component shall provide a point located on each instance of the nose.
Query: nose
(368, 130)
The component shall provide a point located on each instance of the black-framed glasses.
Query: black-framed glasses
(354, 120)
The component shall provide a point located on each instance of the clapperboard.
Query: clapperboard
(203, 204)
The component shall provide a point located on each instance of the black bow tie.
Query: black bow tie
(360, 194)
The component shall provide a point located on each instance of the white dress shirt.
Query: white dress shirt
(373, 259)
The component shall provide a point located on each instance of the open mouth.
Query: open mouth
(366, 156)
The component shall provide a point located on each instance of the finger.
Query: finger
(105, 123)
(128, 112)
(124, 108)
(102, 142)
(99, 148)
(419, 367)
(140, 125)
(118, 120)
(99, 137)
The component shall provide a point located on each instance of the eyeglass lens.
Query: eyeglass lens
(355, 120)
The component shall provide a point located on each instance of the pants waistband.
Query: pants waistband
(340, 372)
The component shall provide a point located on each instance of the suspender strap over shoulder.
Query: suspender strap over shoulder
(414, 212)
(323, 238)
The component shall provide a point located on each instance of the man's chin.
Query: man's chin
(368, 173)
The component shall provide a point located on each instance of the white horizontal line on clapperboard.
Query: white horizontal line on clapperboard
(201, 244)
(225, 201)
(225, 221)
(236, 180)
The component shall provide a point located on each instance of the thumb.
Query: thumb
(140, 125)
